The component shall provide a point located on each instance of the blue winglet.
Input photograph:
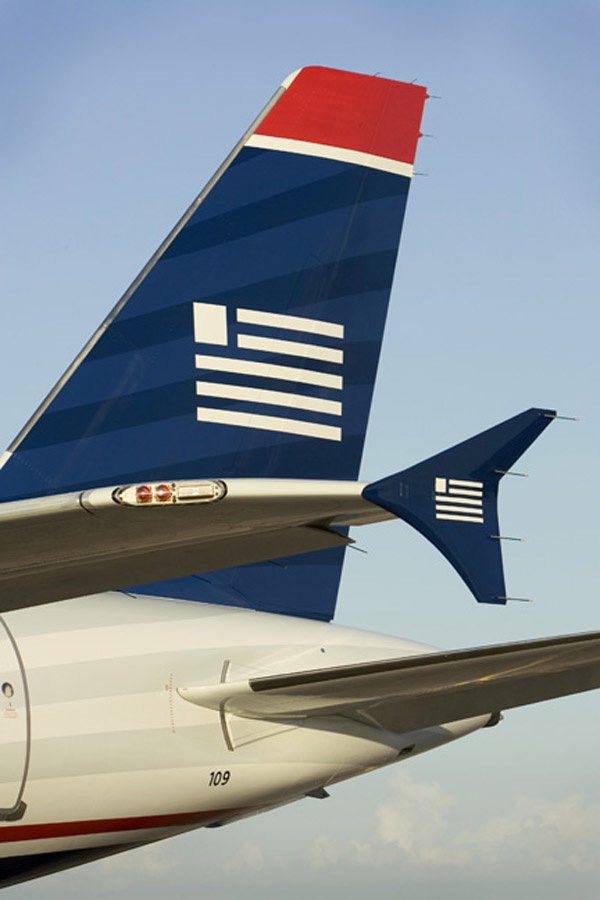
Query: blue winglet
(452, 497)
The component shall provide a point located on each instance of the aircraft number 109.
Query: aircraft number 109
(219, 778)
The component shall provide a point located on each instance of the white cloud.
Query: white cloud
(415, 820)
(551, 835)
(417, 825)
(249, 856)
(363, 853)
(325, 851)
(153, 861)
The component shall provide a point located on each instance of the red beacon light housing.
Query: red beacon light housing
(169, 493)
(163, 493)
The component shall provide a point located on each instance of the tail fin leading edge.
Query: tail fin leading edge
(452, 499)
(248, 346)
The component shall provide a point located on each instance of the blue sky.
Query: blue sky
(114, 114)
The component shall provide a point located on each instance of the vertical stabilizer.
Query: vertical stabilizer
(248, 345)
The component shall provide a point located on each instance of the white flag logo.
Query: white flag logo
(211, 327)
(458, 501)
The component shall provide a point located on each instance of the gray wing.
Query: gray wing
(417, 692)
(71, 545)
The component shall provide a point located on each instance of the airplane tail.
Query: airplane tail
(452, 499)
(248, 345)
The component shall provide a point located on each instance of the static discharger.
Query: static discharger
(566, 418)
(515, 599)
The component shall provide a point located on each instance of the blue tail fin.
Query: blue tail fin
(452, 499)
(248, 346)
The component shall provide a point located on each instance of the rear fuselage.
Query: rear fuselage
(100, 752)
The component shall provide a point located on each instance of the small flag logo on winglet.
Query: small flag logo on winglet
(458, 500)
(255, 383)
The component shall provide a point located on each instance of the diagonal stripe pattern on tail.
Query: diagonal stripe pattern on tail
(249, 345)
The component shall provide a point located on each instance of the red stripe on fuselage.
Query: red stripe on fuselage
(357, 112)
(46, 830)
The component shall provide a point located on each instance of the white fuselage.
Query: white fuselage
(105, 753)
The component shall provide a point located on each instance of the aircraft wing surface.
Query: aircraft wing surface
(421, 691)
(113, 538)
(69, 545)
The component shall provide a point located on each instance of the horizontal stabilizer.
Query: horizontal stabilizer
(69, 545)
(452, 499)
(418, 692)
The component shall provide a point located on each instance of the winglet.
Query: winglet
(452, 499)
